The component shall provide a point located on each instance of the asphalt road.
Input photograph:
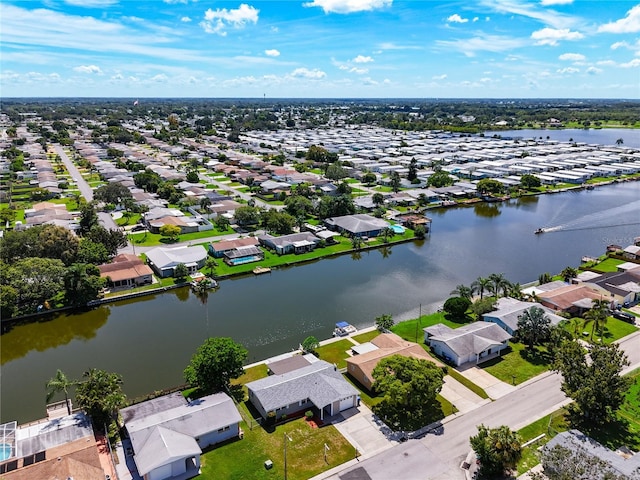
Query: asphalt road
(438, 456)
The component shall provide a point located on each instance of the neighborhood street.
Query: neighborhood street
(438, 455)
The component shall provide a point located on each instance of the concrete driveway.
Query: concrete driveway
(363, 431)
(460, 396)
(495, 388)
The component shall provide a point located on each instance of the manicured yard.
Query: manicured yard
(550, 425)
(335, 352)
(614, 329)
(519, 364)
(608, 265)
(244, 459)
(366, 337)
(154, 239)
(408, 328)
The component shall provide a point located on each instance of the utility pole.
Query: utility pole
(286, 437)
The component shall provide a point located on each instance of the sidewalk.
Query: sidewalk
(495, 388)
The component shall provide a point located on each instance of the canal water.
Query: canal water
(150, 340)
(602, 136)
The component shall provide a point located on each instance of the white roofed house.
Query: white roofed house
(508, 311)
(317, 385)
(168, 433)
(164, 260)
(469, 343)
(359, 225)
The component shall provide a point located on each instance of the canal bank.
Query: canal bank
(150, 340)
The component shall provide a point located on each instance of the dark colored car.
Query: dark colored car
(624, 316)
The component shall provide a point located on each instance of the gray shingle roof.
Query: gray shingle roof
(161, 446)
(320, 382)
(358, 223)
(473, 338)
(509, 309)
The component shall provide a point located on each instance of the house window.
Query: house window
(224, 429)
(302, 402)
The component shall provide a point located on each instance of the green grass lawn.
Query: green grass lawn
(408, 328)
(608, 265)
(366, 337)
(550, 425)
(518, 364)
(335, 352)
(130, 220)
(148, 239)
(467, 383)
(613, 330)
(244, 459)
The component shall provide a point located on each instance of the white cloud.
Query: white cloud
(185, 19)
(606, 63)
(628, 24)
(348, 6)
(572, 57)
(531, 10)
(594, 70)
(272, 53)
(632, 64)
(359, 71)
(489, 43)
(173, 2)
(551, 36)
(475, 19)
(439, 77)
(568, 70)
(393, 46)
(455, 18)
(306, 73)
(88, 69)
(91, 3)
(161, 77)
(216, 21)
(362, 59)
(617, 45)
(117, 77)
(546, 3)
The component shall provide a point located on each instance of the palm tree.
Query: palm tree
(386, 233)
(462, 291)
(533, 325)
(211, 264)
(498, 282)
(568, 273)
(544, 278)
(356, 242)
(597, 315)
(515, 291)
(480, 285)
(60, 383)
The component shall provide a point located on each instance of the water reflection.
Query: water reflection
(486, 210)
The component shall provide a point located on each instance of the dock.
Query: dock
(261, 270)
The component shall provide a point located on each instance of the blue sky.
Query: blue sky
(321, 48)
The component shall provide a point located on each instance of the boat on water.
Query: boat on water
(204, 282)
(539, 230)
(343, 329)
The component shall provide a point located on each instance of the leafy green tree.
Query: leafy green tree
(395, 182)
(60, 383)
(409, 387)
(384, 322)
(8, 301)
(92, 252)
(88, 217)
(192, 176)
(7, 215)
(298, 206)
(480, 285)
(58, 242)
(310, 344)
(545, 278)
(216, 362)
(420, 232)
(101, 396)
(180, 271)
(462, 291)
(172, 232)
(211, 264)
(247, 215)
(413, 170)
(112, 192)
(377, 199)
(335, 206)
(280, 223)
(534, 326)
(456, 307)
(36, 281)
(497, 449)
(112, 240)
(489, 186)
(335, 171)
(82, 284)
(596, 386)
(222, 223)
(440, 179)
(482, 306)
(369, 178)
(320, 155)
(529, 181)
(597, 315)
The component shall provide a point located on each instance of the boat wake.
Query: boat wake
(599, 219)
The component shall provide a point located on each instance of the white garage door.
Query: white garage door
(346, 403)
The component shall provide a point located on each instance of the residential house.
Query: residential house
(294, 243)
(632, 252)
(469, 343)
(367, 355)
(508, 310)
(168, 433)
(358, 225)
(411, 220)
(163, 260)
(62, 447)
(242, 255)
(622, 286)
(218, 249)
(126, 271)
(316, 386)
(573, 299)
(610, 464)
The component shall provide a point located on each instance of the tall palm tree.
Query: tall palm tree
(356, 242)
(462, 291)
(60, 383)
(498, 282)
(597, 316)
(480, 285)
(515, 291)
(568, 273)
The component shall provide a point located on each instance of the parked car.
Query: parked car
(624, 316)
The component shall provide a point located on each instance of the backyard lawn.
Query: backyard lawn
(335, 352)
(608, 265)
(613, 330)
(243, 459)
(366, 337)
(519, 364)
(411, 330)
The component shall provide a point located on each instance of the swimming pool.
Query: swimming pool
(5, 451)
(397, 228)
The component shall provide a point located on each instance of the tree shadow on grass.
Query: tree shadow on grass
(536, 356)
(462, 320)
(612, 435)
